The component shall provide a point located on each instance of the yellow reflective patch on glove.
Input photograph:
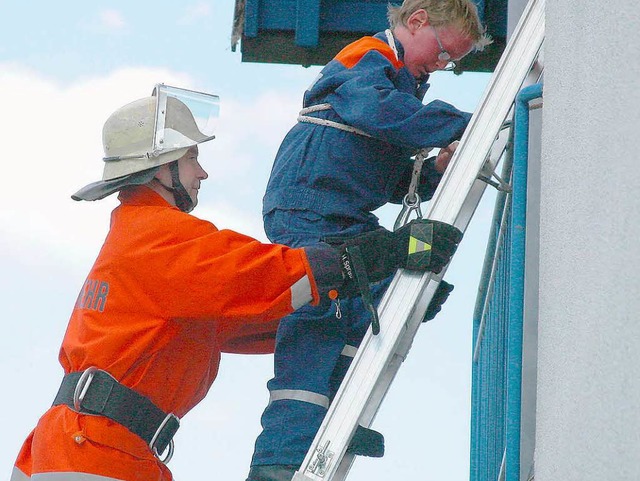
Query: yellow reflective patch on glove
(416, 245)
(419, 248)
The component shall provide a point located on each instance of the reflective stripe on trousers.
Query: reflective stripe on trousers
(349, 351)
(309, 396)
(299, 395)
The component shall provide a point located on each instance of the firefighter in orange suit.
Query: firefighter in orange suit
(168, 293)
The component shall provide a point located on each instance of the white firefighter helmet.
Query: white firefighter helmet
(143, 135)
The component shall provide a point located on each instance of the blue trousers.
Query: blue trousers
(313, 347)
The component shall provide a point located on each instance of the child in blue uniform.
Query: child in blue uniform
(348, 155)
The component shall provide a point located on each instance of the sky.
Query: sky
(64, 67)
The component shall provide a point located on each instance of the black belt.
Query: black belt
(96, 392)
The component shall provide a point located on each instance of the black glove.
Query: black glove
(439, 298)
(420, 245)
(366, 442)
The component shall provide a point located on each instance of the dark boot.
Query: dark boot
(367, 442)
(275, 472)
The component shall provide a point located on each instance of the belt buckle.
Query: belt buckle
(83, 386)
(170, 447)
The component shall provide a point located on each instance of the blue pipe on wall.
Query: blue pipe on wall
(516, 281)
(485, 401)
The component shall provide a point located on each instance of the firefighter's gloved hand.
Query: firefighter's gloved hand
(427, 245)
(420, 245)
(439, 298)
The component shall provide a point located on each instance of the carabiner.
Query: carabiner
(408, 206)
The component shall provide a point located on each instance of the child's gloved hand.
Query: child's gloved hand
(439, 298)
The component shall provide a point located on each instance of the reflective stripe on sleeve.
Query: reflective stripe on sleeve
(349, 351)
(301, 293)
(18, 475)
(299, 395)
(64, 477)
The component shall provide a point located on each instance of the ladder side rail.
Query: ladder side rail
(399, 355)
(452, 203)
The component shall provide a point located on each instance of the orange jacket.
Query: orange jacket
(167, 294)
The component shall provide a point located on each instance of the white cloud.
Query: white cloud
(112, 20)
(105, 22)
(250, 132)
(195, 12)
(55, 148)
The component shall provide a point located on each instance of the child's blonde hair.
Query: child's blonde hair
(462, 13)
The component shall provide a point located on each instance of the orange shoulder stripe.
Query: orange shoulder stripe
(352, 53)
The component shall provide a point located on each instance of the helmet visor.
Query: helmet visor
(183, 118)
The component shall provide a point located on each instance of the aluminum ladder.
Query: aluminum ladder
(405, 302)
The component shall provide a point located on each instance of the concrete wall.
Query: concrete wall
(588, 406)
